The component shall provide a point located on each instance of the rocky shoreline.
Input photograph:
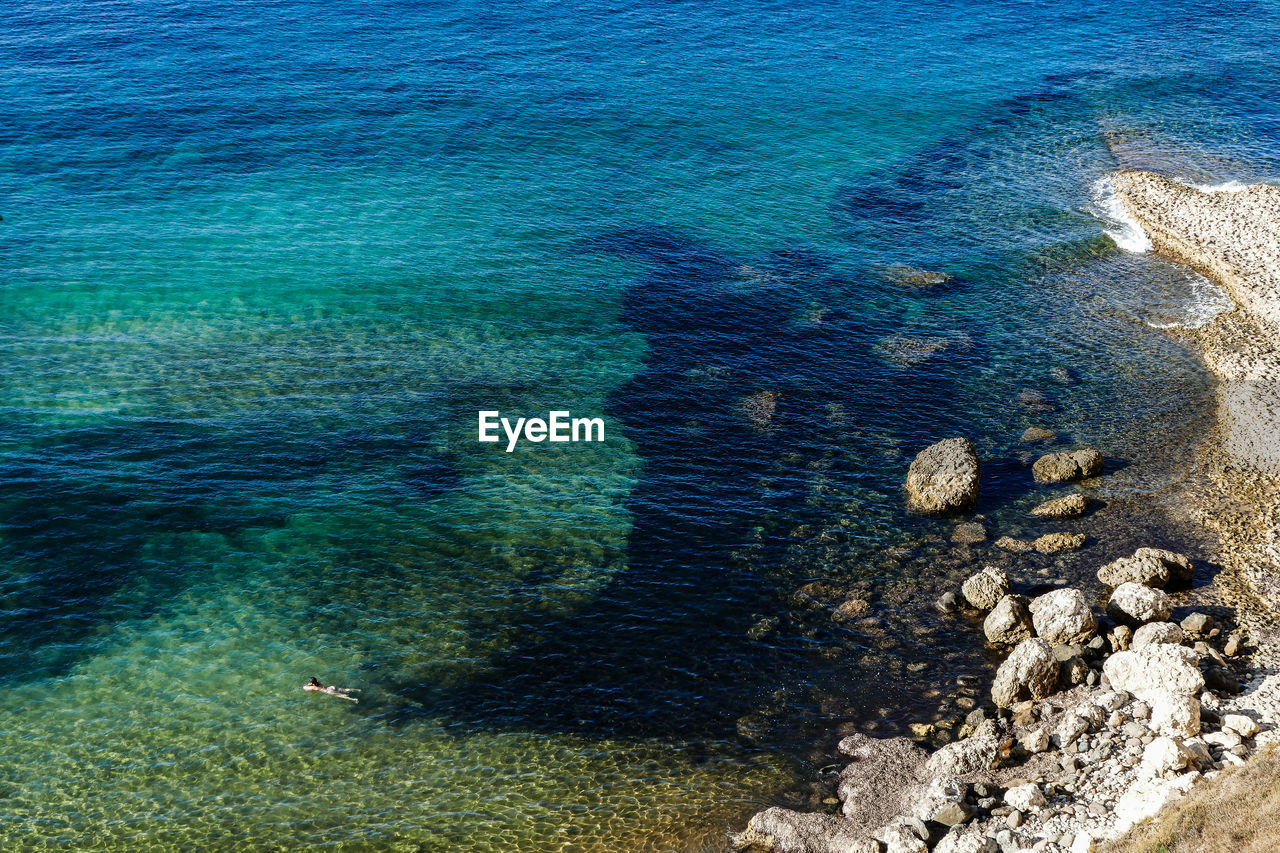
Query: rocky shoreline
(1233, 237)
(1104, 710)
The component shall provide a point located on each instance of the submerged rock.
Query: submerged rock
(1064, 375)
(759, 409)
(1037, 402)
(1057, 543)
(1070, 506)
(913, 350)
(915, 277)
(969, 533)
(1066, 466)
(944, 477)
(948, 602)
(1030, 672)
(1038, 435)
(1014, 546)
(853, 609)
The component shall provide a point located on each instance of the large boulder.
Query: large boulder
(1070, 506)
(1068, 465)
(1240, 724)
(1144, 570)
(1063, 617)
(1148, 671)
(1030, 672)
(1153, 567)
(786, 831)
(1009, 622)
(985, 589)
(1182, 570)
(944, 477)
(975, 753)
(1136, 604)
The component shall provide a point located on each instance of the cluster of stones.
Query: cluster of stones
(1097, 719)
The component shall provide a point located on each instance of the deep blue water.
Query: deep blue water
(262, 264)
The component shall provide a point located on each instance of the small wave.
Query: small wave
(1122, 228)
(1206, 302)
(1224, 187)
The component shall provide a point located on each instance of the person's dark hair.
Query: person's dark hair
(315, 681)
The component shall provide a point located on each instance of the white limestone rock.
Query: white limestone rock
(1163, 755)
(1155, 633)
(974, 753)
(1024, 798)
(1240, 724)
(1135, 604)
(1030, 672)
(966, 842)
(1175, 714)
(1063, 617)
(901, 839)
(1145, 798)
(1151, 670)
(1009, 622)
(944, 477)
(985, 589)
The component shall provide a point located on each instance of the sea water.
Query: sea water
(262, 265)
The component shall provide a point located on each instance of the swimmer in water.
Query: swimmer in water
(341, 692)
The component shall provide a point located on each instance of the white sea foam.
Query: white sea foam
(1205, 301)
(1224, 187)
(1122, 228)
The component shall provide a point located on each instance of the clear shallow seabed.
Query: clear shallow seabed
(260, 265)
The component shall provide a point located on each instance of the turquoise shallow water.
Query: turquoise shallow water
(261, 265)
